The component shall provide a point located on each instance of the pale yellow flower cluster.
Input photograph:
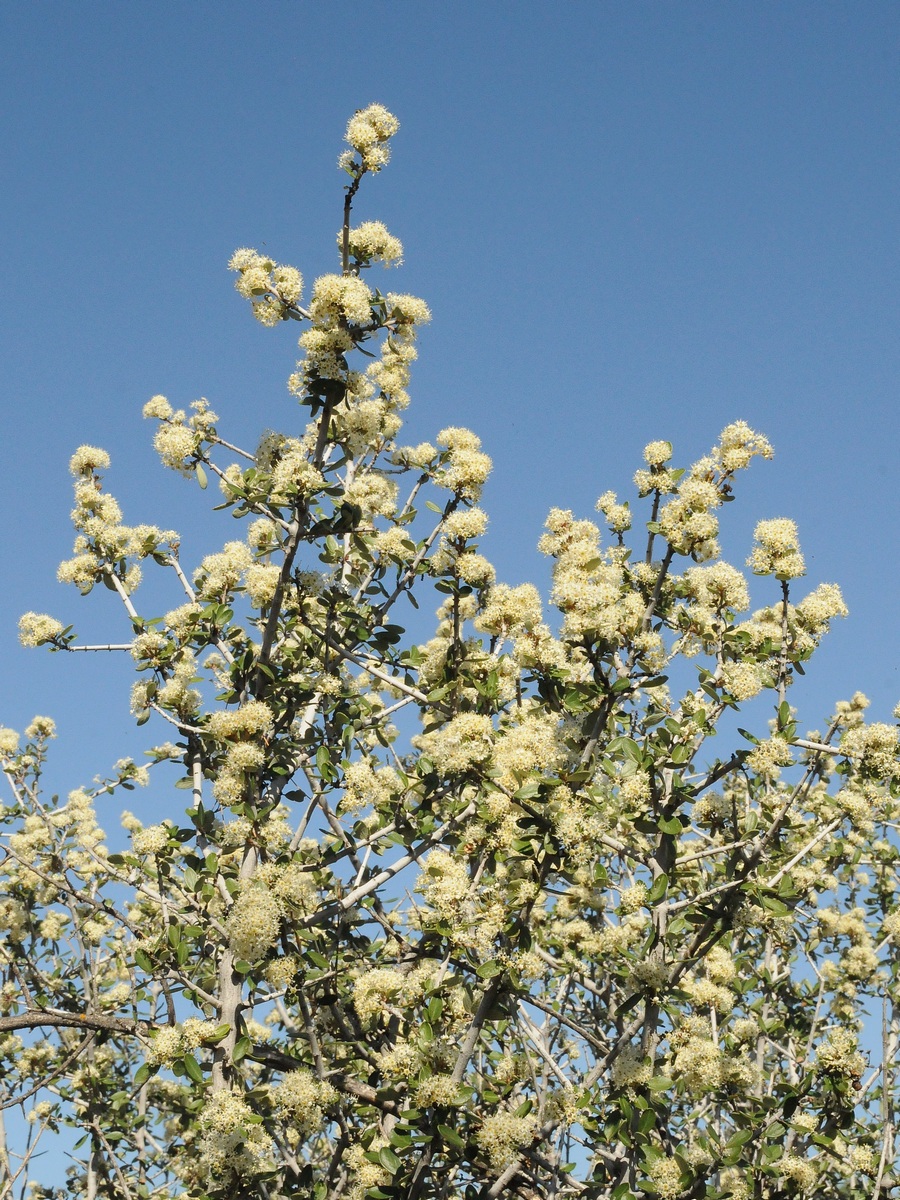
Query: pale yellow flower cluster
(501, 1135)
(179, 437)
(863, 1159)
(272, 288)
(325, 349)
(261, 583)
(744, 680)
(718, 587)
(666, 1175)
(738, 444)
(281, 972)
(510, 611)
(658, 478)
(304, 1098)
(52, 926)
(699, 1064)
(395, 543)
(254, 922)
(374, 492)
(364, 1173)
(37, 628)
(340, 298)
(688, 521)
(35, 844)
(438, 1090)
(9, 742)
(244, 728)
(464, 524)
(632, 899)
(152, 840)
(400, 1061)
(405, 312)
(591, 591)
(87, 460)
(374, 990)
(370, 242)
(463, 744)
(367, 783)
(230, 1140)
(293, 475)
(839, 1053)
(467, 467)
(875, 747)
(777, 550)
(102, 539)
(800, 1173)
(770, 756)
(219, 574)
(366, 425)
(618, 516)
(420, 456)
(445, 883)
(172, 1041)
(13, 919)
(368, 132)
(529, 744)
(475, 570)
(707, 994)
(820, 607)
(630, 1069)
(174, 442)
(389, 374)
(808, 621)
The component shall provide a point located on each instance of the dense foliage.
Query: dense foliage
(489, 915)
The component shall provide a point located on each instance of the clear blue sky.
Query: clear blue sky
(631, 220)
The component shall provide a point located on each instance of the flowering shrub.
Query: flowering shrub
(559, 941)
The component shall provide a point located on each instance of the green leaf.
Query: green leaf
(623, 745)
(451, 1137)
(670, 825)
(389, 1159)
(434, 507)
(489, 969)
(142, 1074)
(142, 960)
(660, 886)
(660, 1083)
(201, 476)
(192, 1069)
(242, 1048)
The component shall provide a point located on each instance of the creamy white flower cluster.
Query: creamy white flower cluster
(180, 437)
(103, 543)
(369, 131)
(272, 288)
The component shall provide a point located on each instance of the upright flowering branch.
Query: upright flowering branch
(477, 914)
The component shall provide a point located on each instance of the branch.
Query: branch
(38, 1018)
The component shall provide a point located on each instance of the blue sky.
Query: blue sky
(631, 221)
